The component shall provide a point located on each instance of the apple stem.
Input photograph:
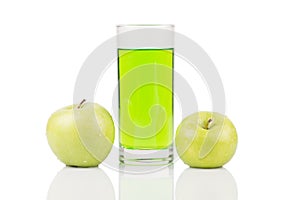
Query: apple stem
(81, 103)
(209, 123)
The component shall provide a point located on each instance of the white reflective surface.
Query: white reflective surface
(156, 185)
(206, 184)
(81, 183)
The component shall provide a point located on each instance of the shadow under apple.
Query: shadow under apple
(81, 183)
(208, 184)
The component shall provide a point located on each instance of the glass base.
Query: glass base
(146, 156)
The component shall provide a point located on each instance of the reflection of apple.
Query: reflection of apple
(81, 135)
(206, 140)
(208, 184)
(81, 183)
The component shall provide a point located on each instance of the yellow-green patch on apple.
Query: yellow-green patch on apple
(206, 140)
(81, 135)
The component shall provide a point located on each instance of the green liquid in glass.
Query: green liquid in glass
(145, 98)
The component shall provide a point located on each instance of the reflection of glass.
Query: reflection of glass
(145, 71)
(152, 186)
(208, 184)
(81, 183)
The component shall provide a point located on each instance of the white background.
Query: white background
(254, 44)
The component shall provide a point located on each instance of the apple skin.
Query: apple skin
(201, 144)
(81, 137)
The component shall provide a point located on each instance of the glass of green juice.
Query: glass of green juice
(145, 92)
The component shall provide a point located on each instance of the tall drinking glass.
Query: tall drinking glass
(145, 72)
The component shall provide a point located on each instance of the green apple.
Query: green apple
(206, 140)
(81, 135)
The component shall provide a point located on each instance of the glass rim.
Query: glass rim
(146, 25)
